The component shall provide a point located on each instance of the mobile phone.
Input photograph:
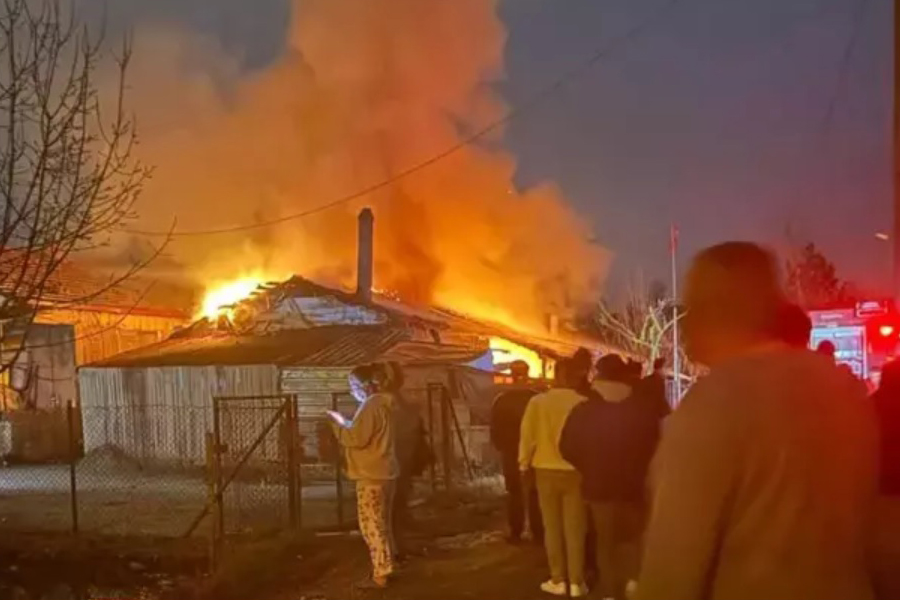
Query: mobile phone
(337, 417)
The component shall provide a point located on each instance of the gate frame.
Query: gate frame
(218, 485)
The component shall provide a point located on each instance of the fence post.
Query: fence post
(446, 440)
(73, 455)
(219, 506)
(433, 465)
(338, 477)
(293, 471)
(211, 479)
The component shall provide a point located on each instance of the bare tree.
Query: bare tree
(643, 325)
(68, 175)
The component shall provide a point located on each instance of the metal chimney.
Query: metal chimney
(364, 254)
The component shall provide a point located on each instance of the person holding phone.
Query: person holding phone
(368, 443)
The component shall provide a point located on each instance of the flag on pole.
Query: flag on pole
(673, 238)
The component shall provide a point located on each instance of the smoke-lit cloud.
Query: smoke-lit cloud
(354, 92)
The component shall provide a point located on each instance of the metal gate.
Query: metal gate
(253, 466)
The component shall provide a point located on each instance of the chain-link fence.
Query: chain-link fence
(226, 466)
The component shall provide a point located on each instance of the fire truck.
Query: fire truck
(865, 336)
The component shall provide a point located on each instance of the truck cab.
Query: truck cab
(865, 336)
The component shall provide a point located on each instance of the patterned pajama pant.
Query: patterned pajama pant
(373, 507)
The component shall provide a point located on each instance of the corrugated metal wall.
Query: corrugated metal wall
(163, 413)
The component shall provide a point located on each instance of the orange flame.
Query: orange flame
(504, 352)
(219, 297)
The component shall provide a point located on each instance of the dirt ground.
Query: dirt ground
(134, 503)
(457, 550)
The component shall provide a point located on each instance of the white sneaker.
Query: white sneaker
(551, 587)
(579, 590)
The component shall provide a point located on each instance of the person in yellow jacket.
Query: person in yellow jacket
(558, 483)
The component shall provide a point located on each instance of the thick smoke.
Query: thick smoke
(362, 91)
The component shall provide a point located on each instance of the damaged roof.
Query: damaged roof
(78, 285)
(325, 346)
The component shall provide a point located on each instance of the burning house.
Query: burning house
(301, 338)
(78, 317)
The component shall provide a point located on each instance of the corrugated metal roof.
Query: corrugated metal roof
(331, 346)
(78, 286)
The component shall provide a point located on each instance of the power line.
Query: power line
(575, 73)
(844, 68)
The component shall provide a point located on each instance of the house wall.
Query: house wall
(315, 389)
(43, 376)
(100, 335)
(162, 414)
(35, 392)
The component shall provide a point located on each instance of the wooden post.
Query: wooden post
(338, 477)
(293, 471)
(433, 466)
(73, 457)
(211, 479)
(446, 440)
(218, 507)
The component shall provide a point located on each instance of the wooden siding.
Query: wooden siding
(43, 376)
(163, 413)
(99, 335)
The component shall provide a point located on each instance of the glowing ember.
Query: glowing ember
(504, 352)
(220, 296)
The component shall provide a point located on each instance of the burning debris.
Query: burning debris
(335, 114)
(220, 299)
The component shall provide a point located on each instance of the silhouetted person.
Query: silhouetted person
(766, 473)
(558, 483)
(610, 439)
(826, 348)
(795, 327)
(652, 391)
(581, 363)
(413, 457)
(506, 423)
(887, 538)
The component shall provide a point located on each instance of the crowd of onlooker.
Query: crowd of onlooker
(776, 477)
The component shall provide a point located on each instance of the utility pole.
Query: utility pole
(676, 343)
(895, 157)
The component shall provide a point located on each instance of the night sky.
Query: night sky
(714, 118)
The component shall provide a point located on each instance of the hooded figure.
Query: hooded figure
(887, 538)
(610, 439)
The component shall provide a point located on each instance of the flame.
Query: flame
(220, 296)
(504, 352)
(469, 304)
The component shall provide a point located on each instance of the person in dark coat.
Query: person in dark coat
(795, 326)
(582, 362)
(610, 439)
(652, 391)
(413, 456)
(886, 401)
(506, 422)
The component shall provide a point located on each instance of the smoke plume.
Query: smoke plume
(362, 91)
